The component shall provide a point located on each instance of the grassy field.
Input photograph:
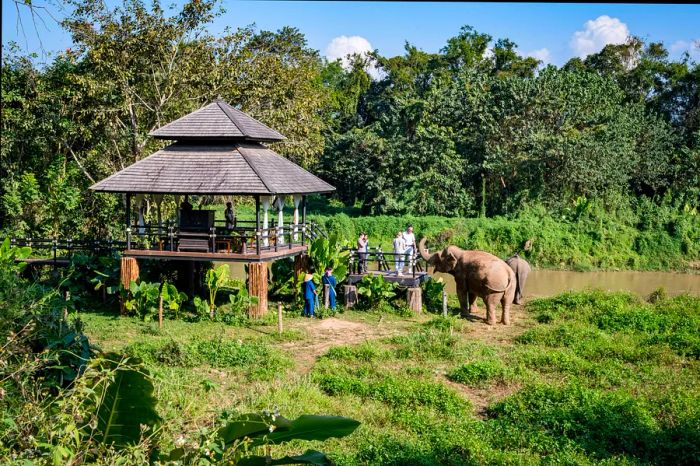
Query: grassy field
(578, 378)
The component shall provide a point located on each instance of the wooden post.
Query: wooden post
(129, 271)
(160, 311)
(257, 286)
(444, 303)
(350, 292)
(257, 228)
(326, 295)
(414, 298)
(279, 317)
(303, 220)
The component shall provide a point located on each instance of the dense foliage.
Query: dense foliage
(458, 132)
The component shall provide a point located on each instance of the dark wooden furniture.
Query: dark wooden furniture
(193, 242)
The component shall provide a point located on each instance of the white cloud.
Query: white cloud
(597, 34)
(541, 54)
(343, 46)
(692, 47)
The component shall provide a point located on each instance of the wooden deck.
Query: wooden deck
(405, 280)
(264, 256)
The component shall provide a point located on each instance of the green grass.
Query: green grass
(585, 378)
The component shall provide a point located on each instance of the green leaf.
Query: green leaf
(311, 427)
(309, 457)
(127, 402)
(250, 425)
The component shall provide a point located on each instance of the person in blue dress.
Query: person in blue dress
(329, 279)
(309, 295)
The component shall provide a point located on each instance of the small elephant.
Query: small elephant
(521, 269)
(477, 274)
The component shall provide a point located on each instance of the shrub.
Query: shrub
(479, 373)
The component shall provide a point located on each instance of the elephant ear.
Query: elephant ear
(449, 259)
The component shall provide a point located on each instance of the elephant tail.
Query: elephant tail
(504, 289)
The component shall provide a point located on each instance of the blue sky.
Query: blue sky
(553, 32)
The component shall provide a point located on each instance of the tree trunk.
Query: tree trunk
(350, 292)
(414, 298)
(257, 286)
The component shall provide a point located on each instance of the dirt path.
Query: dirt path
(331, 332)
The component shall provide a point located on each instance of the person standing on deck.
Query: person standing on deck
(362, 250)
(330, 280)
(410, 240)
(399, 252)
(309, 290)
(230, 217)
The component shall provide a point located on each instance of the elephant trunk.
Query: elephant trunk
(430, 259)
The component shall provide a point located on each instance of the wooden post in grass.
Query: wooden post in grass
(160, 311)
(350, 292)
(444, 303)
(279, 318)
(326, 295)
(257, 286)
(414, 298)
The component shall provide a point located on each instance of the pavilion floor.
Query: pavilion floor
(264, 256)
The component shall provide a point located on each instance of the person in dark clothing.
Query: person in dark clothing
(230, 216)
(329, 279)
(309, 295)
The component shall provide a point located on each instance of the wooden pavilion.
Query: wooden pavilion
(217, 150)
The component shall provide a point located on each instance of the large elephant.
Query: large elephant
(521, 269)
(477, 274)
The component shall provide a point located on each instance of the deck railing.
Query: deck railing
(359, 262)
(244, 238)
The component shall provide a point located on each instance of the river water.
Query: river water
(551, 282)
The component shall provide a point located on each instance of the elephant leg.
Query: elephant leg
(506, 301)
(463, 301)
(472, 303)
(491, 304)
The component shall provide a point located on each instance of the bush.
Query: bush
(479, 373)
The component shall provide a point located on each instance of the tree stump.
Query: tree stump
(129, 271)
(414, 298)
(257, 286)
(350, 292)
(301, 265)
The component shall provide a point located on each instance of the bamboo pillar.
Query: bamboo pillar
(279, 203)
(414, 298)
(257, 286)
(129, 271)
(301, 265)
(297, 201)
(266, 223)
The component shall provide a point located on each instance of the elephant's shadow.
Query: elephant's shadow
(470, 317)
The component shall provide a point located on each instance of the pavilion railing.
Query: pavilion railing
(244, 238)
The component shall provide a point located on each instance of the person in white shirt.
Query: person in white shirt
(362, 251)
(410, 240)
(399, 252)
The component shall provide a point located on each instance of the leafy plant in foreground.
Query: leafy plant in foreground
(233, 442)
(376, 289)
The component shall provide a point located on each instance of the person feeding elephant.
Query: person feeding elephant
(330, 280)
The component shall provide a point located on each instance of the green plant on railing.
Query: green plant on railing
(234, 442)
(216, 278)
(327, 252)
(12, 257)
(375, 289)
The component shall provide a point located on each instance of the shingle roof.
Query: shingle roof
(224, 168)
(217, 121)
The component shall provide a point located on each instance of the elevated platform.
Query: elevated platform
(264, 256)
(407, 280)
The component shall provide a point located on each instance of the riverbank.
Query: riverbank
(644, 237)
